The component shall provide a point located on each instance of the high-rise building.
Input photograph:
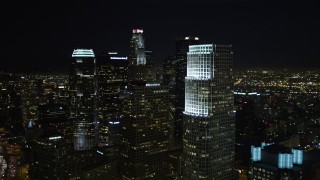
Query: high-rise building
(83, 102)
(48, 154)
(56, 116)
(137, 57)
(180, 62)
(146, 132)
(208, 133)
(169, 79)
(151, 74)
(137, 49)
(112, 79)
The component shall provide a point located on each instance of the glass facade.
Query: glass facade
(208, 138)
(83, 102)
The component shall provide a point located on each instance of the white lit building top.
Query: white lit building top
(202, 48)
(137, 30)
(83, 53)
(200, 61)
(199, 71)
(191, 38)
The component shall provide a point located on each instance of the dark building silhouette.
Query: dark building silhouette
(146, 132)
(49, 154)
(56, 116)
(112, 79)
(151, 74)
(98, 163)
(182, 47)
(83, 100)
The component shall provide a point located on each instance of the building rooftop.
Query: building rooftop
(276, 149)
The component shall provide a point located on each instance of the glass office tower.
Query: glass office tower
(137, 69)
(146, 132)
(83, 91)
(137, 54)
(208, 135)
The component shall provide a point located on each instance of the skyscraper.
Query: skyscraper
(208, 139)
(55, 116)
(137, 49)
(151, 75)
(83, 90)
(182, 47)
(112, 78)
(146, 132)
(137, 69)
(48, 154)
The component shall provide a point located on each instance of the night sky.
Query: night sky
(263, 34)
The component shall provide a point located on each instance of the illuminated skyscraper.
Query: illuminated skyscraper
(137, 54)
(137, 57)
(208, 139)
(83, 90)
(146, 132)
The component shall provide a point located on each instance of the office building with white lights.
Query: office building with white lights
(208, 130)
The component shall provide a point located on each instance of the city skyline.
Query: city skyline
(184, 89)
(279, 107)
(263, 33)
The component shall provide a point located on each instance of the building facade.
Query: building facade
(146, 132)
(208, 133)
(56, 116)
(137, 48)
(48, 155)
(112, 78)
(137, 57)
(83, 102)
